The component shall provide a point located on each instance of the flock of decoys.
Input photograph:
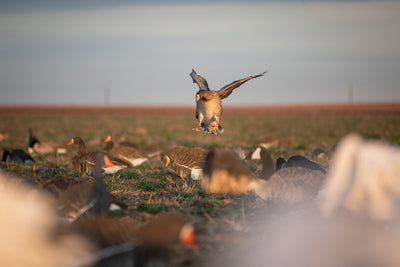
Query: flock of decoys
(90, 237)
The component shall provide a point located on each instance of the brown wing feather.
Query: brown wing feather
(225, 91)
(201, 81)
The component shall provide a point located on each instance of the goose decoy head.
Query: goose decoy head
(280, 163)
(32, 139)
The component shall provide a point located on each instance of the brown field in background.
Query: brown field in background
(151, 188)
(357, 107)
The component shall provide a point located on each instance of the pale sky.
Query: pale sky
(67, 52)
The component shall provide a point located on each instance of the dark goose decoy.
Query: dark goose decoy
(298, 161)
(43, 147)
(261, 153)
(17, 156)
(208, 102)
(84, 161)
(224, 173)
(186, 161)
(127, 153)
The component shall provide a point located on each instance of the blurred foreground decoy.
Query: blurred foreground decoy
(302, 237)
(364, 179)
(32, 236)
(127, 153)
(84, 161)
(129, 244)
(29, 232)
(208, 102)
(356, 221)
(186, 161)
(43, 147)
(298, 161)
(224, 173)
(17, 156)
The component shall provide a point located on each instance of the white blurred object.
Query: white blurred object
(364, 179)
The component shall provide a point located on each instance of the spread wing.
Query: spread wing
(201, 81)
(227, 89)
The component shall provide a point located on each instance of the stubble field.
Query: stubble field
(151, 188)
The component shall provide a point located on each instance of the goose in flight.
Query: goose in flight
(208, 102)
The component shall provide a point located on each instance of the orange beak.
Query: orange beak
(70, 142)
(108, 162)
(108, 139)
(167, 161)
(1, 137)
(188, 236)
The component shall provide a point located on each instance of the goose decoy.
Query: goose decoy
(186, 161)
(152, 151)
(208, 102)
(43, 147)
(291, 185)
(29, 222)
(85, 198)
(17, 156)
(142, 245)
(298, 161)
(224, 173)
(127, 153)
(84, 161)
